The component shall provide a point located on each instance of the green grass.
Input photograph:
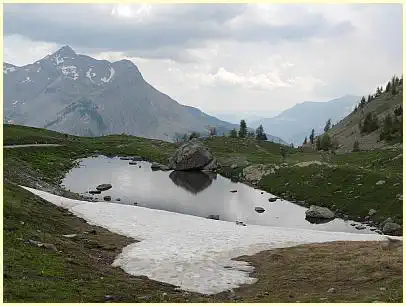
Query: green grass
(82, 272)
(295, 182)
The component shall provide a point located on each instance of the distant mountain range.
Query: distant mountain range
(295, 123)
(79, 95)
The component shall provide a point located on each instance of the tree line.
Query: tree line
(244, 133)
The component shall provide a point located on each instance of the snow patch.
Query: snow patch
(188, 251)
(70, 71)
(58, 59)
(9, 69)
(90, 74)
(27, 80)
(106, 80)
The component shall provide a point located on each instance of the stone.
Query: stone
(332, 290)
(233, 191)
(381, 182)
(371, 212)
(259, 209)
(273, 199)
(70, 235)
(192, 155)
(214, 217)
(132, 163)
(158, 166)
(391, 228)
(95, 192)
(107, 198)
(319, 212)
(103, 187)
(118, 199)
(360, 227)
(39, 244)
(240, 223)
(254, 173)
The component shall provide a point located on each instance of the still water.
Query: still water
(192, 193)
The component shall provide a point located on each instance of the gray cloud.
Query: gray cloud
(174, 27)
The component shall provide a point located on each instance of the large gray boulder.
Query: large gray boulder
(318, 212)
(391, 228)
(192, 155)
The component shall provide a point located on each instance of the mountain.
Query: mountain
(295, 123)
(369, 124)
(79, 95)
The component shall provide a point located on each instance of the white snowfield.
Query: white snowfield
(190, 252)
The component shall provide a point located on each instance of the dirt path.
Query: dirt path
(32, 145)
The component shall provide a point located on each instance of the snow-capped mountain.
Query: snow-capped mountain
(80, 95)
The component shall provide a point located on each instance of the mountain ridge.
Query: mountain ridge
(77, 94)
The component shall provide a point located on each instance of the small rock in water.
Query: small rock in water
(94, 191)
(135, 203)
(107, 198)
(259, 209)
(233, 191)
(353, 224)
(103, 187)
(273, 199)
(132, 163)
(331, 290)
(372, 229)
(118, 199)
(262, 192)
(240, 223)
(360, 227)
(214, 217)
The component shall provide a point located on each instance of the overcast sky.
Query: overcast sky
(248, 59)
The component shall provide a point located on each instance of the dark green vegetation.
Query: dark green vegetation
(82, 272)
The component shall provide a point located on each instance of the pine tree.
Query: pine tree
(311, 137)
(362, 103)
(388, 87)
(243, 129)
(369, 99)
(394, 90)
(233, 133)
(305, 141)
(260, 135)
(328, 125)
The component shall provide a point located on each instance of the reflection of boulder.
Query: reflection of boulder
(192, 181)
(317, 220)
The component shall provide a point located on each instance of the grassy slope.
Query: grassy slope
(33, 274)
(318, 184)
(347, 130)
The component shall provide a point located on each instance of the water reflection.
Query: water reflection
(193, 193)
(192, 181)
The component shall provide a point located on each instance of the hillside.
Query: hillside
(295, 123)
(79, 95)
(352, 128)
(82, 271)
